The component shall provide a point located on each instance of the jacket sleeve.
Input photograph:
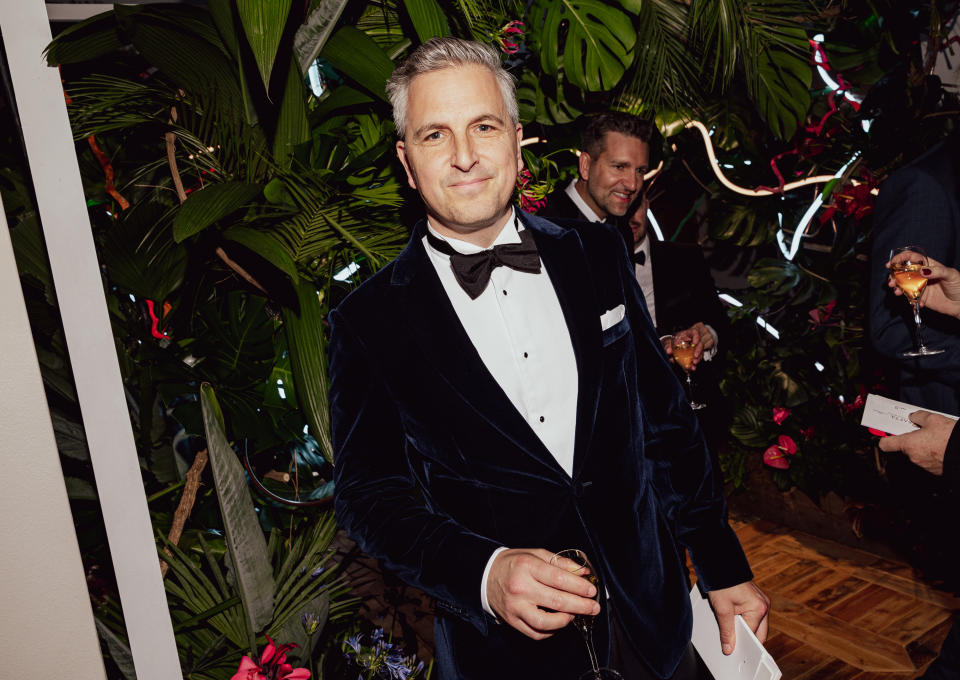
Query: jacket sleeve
(376, 495)
(912, 209)
(689, 490)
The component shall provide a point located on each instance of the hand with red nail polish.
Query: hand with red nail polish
(942, 292)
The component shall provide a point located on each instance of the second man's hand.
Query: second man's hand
(534, 596)
(699, 334)
(745, 599)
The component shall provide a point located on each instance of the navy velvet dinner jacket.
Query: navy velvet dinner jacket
(435, 468)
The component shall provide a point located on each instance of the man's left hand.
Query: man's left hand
(702, 341)
(925, 447)
(745, 599)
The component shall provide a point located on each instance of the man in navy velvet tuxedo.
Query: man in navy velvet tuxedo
(487, 412)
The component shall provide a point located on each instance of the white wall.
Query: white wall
(46, 623)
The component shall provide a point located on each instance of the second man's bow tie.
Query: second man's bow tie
(473, 271)
(640, 257)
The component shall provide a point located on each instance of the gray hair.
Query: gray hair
(441, 53)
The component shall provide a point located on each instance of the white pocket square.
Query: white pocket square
(611, 317)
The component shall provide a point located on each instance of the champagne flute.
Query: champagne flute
(683, 351)
(576, 562)
(906, 263)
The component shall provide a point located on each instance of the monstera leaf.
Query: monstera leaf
(591, 40)
(781, 87)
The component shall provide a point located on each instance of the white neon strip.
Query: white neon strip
(789, 186)
(768, 328)
(93, 355)
(348, 271)
(653, 223)
(730, 299)
(801, 229)
(817, 365)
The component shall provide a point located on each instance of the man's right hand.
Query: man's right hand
(522, 586)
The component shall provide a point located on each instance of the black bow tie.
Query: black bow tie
(640, 257)
(473, 271)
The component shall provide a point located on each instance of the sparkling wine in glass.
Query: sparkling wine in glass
(683, 351)
(576, 562)
(905, 264)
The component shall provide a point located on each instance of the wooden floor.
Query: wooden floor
(841, 613)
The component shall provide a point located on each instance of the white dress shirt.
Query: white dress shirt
(519, 330)
(581, 204)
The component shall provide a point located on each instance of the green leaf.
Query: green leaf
(88, 39)
(292, 125)
(355, 54)
(308, 359)
(79, 489)
(314, 32)
(342, 96)
(263, 23)
(428, 19)
(170, 41)
(266, 246)
(590, 40)
(119, 650)
(782, 88)
(203, 208)
(245, 542)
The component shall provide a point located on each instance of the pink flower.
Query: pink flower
(776, 456)
(273, 665)
(780, 414)
(818, 316)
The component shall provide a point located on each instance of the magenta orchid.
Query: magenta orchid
(273, 665)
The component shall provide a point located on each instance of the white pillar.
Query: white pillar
(62, 208)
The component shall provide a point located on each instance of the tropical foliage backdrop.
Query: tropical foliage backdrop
(238, 163)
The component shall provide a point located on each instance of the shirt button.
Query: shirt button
(525, 355)
(504, 292)
(541, 419)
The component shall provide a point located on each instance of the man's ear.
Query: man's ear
(402, 155)
(583, 165)
(519, 154)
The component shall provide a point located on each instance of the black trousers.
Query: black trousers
(632, 667)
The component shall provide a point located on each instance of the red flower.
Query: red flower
(776, 456)
(808, 432)
(780, 414)
(820, 316)
(532, 194)
(273, 665)
(506, 35)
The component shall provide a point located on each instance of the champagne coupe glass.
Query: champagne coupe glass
(683, 350)
(905, 264)
(576, 562)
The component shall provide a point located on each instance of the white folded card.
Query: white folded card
(890, 416)
(611, 317)
(749, 660)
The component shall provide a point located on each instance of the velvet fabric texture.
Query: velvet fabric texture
(435, 468)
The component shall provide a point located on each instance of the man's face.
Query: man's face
(614, 178)
(460, 149)
(638, 223)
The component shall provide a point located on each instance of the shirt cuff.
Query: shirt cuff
(483, 584)
(708, 354)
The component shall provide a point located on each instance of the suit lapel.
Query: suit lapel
(563, 256)
(435, 325)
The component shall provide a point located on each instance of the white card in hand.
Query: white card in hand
(749, 661)
(890, 416)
